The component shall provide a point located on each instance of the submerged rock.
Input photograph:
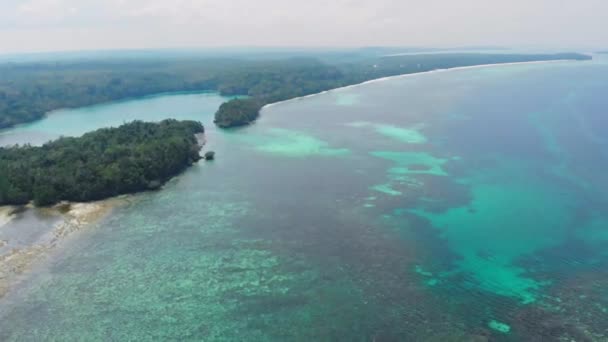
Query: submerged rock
(499, 326)
(419, 167)
(210, 155)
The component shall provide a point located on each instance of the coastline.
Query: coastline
(22, 248)
(6, 216)
(382, 79)
(18, 261)
(201, 139)
(4, 130)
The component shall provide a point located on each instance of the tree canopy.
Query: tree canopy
(134, 157)
(29, 90)
(279, 84)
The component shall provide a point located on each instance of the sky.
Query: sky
(60, 25)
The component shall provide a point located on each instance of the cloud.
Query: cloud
(76, 24)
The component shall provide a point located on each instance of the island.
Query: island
(238, 112)
(134, 157)
(29, 90)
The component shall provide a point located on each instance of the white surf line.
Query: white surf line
(382, 79)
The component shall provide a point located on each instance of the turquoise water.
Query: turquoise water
(450, 206)
(69, 122)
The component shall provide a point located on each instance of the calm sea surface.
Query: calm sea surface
(450, 206)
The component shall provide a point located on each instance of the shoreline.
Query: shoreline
(388, 78)
(109, 102)
(18, 261)
(201, 139)
(7, 214)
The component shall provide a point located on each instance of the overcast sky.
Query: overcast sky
(45, 25)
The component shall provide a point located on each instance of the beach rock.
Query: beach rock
(210, 155)
(63, 207)
(154, 185)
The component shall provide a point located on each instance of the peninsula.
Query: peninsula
(269, 86)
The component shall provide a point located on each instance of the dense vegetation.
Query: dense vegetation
(111, 161)
(29, 90)
(273, 85)
(238, 112)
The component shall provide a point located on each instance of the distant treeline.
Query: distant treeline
(134, 157)
(29, 90)
(275, 84)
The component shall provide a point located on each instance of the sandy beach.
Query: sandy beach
(15, 262)
(6, 215)
(383, 79)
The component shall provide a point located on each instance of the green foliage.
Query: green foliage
(238, 112)
(29, 90)
(133, 157)
(279, 83)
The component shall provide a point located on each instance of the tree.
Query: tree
(107, 162)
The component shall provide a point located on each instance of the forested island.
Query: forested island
(30, 90)
(134, 157)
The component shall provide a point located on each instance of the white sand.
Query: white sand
(382, 79)
(79, 215)
(82, 214)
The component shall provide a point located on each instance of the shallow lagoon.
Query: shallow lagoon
(466, 203)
